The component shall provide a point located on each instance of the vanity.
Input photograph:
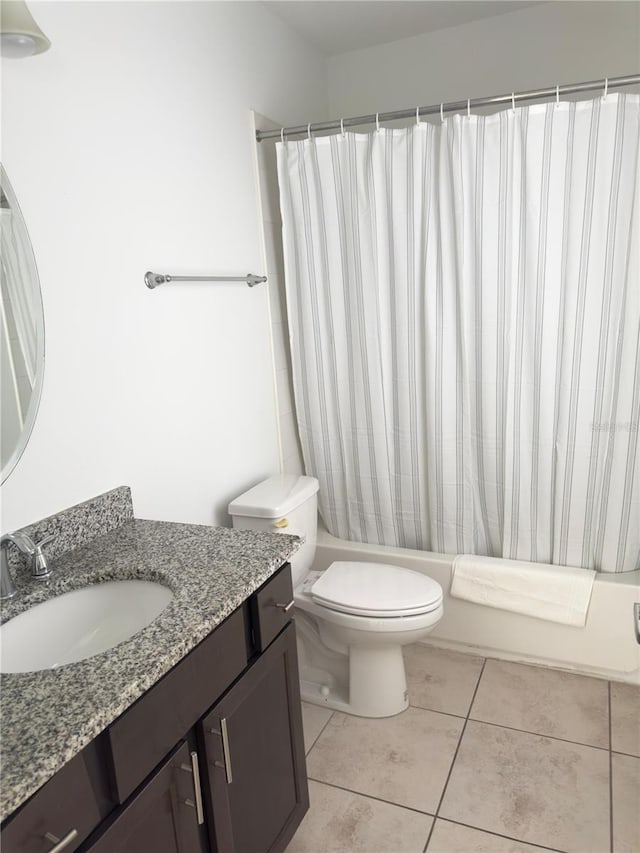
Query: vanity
(187, 736)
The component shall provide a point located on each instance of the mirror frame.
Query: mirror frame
(36, 394)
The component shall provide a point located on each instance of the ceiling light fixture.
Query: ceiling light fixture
(20, 36)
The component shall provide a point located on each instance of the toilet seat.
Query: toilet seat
(375, 590)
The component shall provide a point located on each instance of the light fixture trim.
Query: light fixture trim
(20, 36)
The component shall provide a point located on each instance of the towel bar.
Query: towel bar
(153, 279)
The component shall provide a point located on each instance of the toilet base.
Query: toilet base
(377, 684)
(377, 681)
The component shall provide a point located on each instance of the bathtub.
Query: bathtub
(605, 647)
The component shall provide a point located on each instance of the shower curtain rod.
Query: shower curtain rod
(451, 106)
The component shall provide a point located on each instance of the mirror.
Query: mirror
(21, 331)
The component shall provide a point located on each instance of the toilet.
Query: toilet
(353, 618)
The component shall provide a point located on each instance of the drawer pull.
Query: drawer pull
(61, 843)
(285, 607)
(226, 766)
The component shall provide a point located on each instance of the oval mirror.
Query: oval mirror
(22, 331)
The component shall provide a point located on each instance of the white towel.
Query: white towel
(555, 593)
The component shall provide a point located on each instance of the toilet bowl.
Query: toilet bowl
(353, 618)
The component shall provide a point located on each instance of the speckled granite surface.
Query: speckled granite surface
(47, 717)
(77, 525)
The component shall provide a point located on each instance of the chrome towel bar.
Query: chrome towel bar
(153, 279)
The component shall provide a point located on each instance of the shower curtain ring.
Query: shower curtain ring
(557, 95)
(468, 107)
(377, 121)
(282, 135)
(606, 86)
(309, 131)
(417, 116)
(342, 126)
(441, 112)
(513, 102)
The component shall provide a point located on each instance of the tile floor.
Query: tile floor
(490, 757)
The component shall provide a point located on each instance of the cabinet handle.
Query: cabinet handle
(61, 843)
(285, 607)
(226, 754)
(197, 788)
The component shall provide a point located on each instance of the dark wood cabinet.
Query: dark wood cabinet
(145, 733)
(66, 808)
(255, 781)
(162, 817)
(210, 758)
(271, 608)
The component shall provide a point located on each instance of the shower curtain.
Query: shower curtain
(464, 316)
(16, 295)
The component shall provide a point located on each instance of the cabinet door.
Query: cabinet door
(65, 810)
(162, 816)
(257, 786)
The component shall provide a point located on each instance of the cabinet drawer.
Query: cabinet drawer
(145, 733)
(66, 804)
(272, 607)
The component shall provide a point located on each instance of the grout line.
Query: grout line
(610, 769)
(370, 797)
(455, 755)
(429, 814)
(514, 728)
(500, 835)
(628, 754)
(437, 711)
(538, 734)
(317, 737)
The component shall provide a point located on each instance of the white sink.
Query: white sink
(79, 624)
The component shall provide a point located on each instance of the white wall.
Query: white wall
(539, 46)
(129, 146)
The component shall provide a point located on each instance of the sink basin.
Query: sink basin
(79, 624)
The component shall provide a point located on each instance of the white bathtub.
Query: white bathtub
(605, 647)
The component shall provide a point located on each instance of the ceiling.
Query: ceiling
(337, 26)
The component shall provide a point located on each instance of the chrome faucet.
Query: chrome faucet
(36, 560)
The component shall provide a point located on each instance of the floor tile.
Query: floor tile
(314, 719)
(626, 803)
(403, 759)
(539, 790)
(440, 680)
(452, 838)
(344, 822)
(544, 701)
(625, 718)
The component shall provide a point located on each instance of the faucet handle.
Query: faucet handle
(46, 540)
(38, 560)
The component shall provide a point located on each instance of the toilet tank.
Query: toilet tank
(285, 503)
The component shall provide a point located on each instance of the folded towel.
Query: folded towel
(555, 593)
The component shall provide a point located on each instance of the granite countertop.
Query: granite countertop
(49, 716)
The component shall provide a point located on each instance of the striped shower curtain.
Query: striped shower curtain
(464, 314)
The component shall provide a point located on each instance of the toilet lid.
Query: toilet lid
(373, 589)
